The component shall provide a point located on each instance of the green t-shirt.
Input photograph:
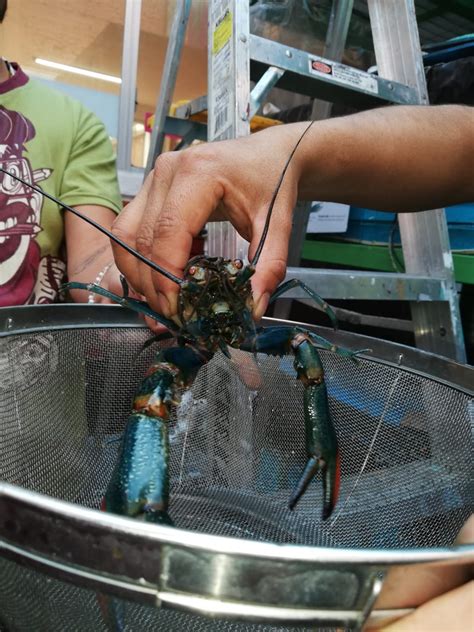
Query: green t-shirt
(53, 141)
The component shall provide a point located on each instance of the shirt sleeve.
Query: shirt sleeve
(90, 175)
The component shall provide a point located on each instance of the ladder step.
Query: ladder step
(318, 77)
(356, 284)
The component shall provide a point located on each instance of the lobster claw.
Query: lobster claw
(157, 515)
(321, 439)
(331, 471)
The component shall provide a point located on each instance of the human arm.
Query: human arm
(398, 158)
(89, 183)
(89, 252)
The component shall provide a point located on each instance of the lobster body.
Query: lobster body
(139, 487)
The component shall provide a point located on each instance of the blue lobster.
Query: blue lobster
(215, 311)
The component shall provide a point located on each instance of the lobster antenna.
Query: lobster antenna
(261, 243)
(110, 235)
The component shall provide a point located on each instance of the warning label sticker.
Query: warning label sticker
(221, 88)
(343, 74)
(321, 66)
(222, 32)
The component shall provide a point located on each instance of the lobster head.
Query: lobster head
(215, 301)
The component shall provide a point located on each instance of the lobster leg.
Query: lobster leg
(289, 285)
(276, 341)
(126, 301)
(321, 440)
(139, 487)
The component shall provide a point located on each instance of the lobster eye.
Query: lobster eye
(234, 266)
(197, 272)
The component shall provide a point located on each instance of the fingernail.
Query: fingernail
(168, 305)
(165, 307)
(261, 305)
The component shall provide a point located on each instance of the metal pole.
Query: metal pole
(341, 13)
(228, 99)
(168, 79)
(424, 236)
(131, 40)
(336, 36)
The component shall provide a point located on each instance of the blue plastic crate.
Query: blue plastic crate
(373, 227)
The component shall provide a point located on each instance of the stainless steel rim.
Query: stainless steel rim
(226, 545)
(26, 517)
(31, 319)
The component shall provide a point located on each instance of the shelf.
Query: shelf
(375, 257)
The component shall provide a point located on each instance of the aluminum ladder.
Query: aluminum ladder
(235, 56)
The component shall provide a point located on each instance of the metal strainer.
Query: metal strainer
(238, 559)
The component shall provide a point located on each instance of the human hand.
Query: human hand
(232, 180)
(444, 592)
(360, 159)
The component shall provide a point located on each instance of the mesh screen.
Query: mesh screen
(237, 449)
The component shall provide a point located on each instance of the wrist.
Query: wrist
(313, 162)
(91, 298)
(282, 142)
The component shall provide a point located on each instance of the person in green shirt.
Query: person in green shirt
(54, 142)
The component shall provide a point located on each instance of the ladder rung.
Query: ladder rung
(181, 127)
(358, 285)
(316, 76)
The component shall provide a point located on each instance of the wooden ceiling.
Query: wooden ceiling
(89, 35)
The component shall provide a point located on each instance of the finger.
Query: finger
(271, 266)
(166, 167)
(126, 227)
(451, 611)
(113, 284)
(247, 368)
(191, 199)
(411, 585)
(466, 534)
(156, 327)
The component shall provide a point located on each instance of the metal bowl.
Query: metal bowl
(238, 559)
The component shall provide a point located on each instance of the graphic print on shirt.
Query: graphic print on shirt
(20, 214)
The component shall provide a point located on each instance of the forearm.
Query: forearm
(395, 158)
(88, 251)
(404, 158)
